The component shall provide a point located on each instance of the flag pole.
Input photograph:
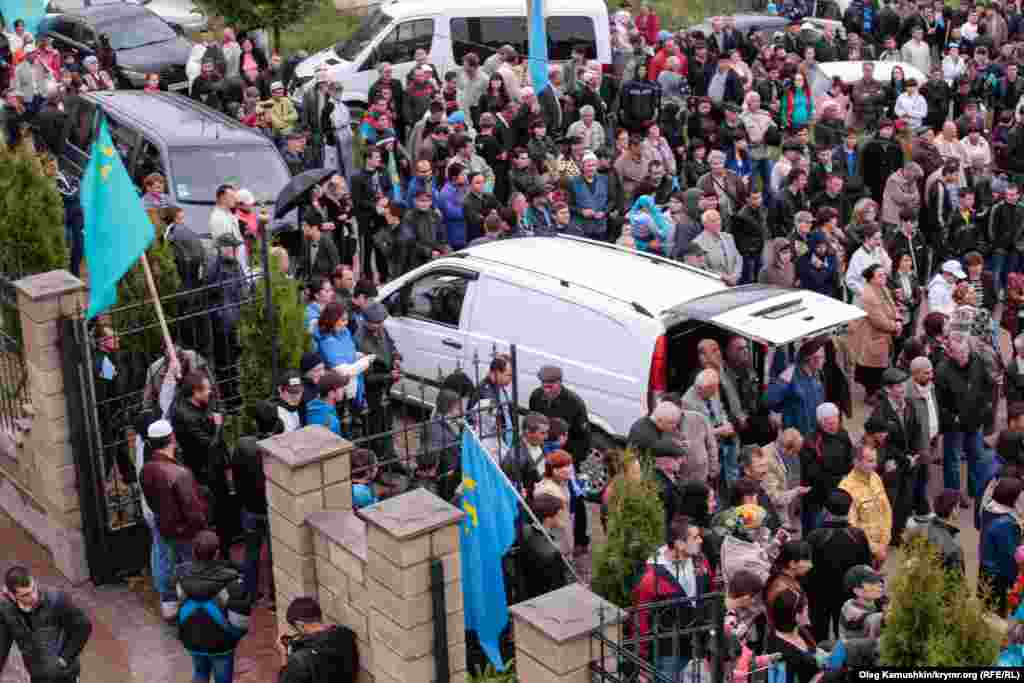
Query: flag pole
(151, 284)
(515, 492)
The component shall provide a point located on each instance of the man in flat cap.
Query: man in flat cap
(553, 399)
(901, 460)
(386, 369)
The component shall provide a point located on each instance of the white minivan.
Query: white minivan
(393, 31)
(623, 326)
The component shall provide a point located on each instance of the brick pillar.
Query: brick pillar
(307, 472)
(404, 535)
(553, 642)
(47, 503)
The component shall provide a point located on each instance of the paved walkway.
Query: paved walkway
(129, 640)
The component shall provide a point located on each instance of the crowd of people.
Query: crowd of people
(712, 149)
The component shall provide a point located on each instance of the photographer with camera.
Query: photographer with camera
(317, 652)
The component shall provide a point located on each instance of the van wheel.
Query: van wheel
(594, 471)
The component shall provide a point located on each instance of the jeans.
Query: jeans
(997, 264)
(221, 667)
(671, 666)
(751, 268)
(727, 456)
(164, 556)
(763, 168)
(972, 446)
(256, 531)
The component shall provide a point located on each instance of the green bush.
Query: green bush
(256, 339)
(489, 675)
(935, 618)
(636, 529)
(31, 218)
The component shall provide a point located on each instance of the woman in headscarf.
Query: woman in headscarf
(779, 264)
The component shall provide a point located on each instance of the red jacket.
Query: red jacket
(173, 494)
(659, 585)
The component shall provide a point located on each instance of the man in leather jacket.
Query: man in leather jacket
(373, 339)
(49, 629)
(179, 514)
(197, 428)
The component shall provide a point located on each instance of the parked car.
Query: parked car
(392, 32)
(142, 41)
(183, 15)
(821, 75)
(624, 326)
(196, 148)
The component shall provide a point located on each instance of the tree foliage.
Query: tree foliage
(249, 14)
(935, 618)
(31, 217)
(257, 339)
(636, 529)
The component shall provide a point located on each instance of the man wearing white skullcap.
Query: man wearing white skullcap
(179, 514)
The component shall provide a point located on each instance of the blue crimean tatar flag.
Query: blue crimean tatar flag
(538, 46)
(117, 227)
(488, 531)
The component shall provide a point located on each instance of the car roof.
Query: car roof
(649, 284)
(852, 72)
(178, 120)
(473, 8)
(105, 13)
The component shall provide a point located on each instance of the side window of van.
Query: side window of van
(149, 161)
(484, 36)
(565, 32)
(438, 298)
(124, 139)
(401, 43)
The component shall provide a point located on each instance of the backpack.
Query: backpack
(215, 612)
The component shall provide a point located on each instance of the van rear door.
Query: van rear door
(766, 314)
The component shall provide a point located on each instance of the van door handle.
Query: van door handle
(452, 343)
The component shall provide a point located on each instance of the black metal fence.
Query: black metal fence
(121, 367)
(14, 393)
(679, 640)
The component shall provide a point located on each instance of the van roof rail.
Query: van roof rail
(639, 308)
(653, 258)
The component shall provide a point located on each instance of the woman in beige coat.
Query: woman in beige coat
(871, 338)
(557, 473)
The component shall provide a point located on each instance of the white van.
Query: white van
(623, 326)
(393, 31)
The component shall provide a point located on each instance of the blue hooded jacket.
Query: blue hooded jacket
(797, 400)
(449, 202)
(337, 349)
(319, 412)
(999, 541)
(822, 281)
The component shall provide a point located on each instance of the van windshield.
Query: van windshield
(137, 30)
(196, 172)
(375, 22)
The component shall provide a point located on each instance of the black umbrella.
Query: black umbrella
(298, 188)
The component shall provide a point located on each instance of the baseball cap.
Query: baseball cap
(953, 267)
(291, 380)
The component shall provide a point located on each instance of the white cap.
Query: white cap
(826, 410)
(589, 156)
(953, 266)
(245, 197)
(276, 85)
(159, 430)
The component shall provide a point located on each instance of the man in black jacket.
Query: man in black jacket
(251, 484)
(319, 256)
(48, 628)
(552, 399)
(827, 457)
(906, 446)
(215, 610)
(654, 433)
(370, 191)
(750, 230)
(835, 547)
(199, 431)
(319, 652)
(963, 389)
(880, 157)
